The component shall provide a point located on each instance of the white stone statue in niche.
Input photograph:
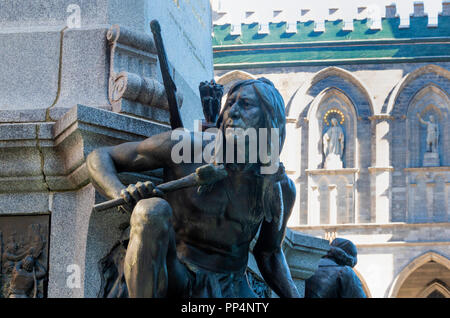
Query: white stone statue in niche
(431, 156)
(432, 133)
(333, 146)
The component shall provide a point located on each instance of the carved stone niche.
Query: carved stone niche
(24, 256)
(134, 81)
(331, 196)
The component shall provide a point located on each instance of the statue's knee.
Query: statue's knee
(152, 212)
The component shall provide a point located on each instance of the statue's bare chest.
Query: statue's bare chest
(225, 207)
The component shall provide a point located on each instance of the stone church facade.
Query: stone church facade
(368, 143)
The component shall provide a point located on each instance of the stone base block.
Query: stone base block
(431, 159)
(333, 162)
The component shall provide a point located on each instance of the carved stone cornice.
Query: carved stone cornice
(46, 157)
(381, 117)
(427, 169)
(331, 171)
(380, 169)
(291, 120)
(131, 90)
(303, 253)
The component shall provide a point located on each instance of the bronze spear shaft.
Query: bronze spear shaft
(169, 85)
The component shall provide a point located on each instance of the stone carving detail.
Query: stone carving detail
(144, 90)
(132, 79)
(24, 255)
(431, 156)
(333, 146)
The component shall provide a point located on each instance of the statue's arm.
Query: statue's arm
(325, 144)
(268, 249)
(421, 120)
(105, 163)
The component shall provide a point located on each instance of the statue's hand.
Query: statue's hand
(136, 192)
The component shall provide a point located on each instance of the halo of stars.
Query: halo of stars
(335, 111)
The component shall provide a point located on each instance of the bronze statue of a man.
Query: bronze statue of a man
(192, 243)
(335, 277)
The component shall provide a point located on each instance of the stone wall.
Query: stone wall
(58, 102)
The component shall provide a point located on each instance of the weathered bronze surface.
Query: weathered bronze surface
(24, 251)
(258, 286)
(211, 96)
(334, 277)
(192, 243)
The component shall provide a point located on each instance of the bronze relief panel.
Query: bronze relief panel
(24, 256)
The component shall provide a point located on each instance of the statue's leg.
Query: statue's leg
(145, 265)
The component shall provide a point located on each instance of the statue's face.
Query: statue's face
(243, 110)
(334, 122)
(432, 118)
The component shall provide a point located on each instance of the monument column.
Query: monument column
(291, 158)
(332, 190)
(381, 170)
